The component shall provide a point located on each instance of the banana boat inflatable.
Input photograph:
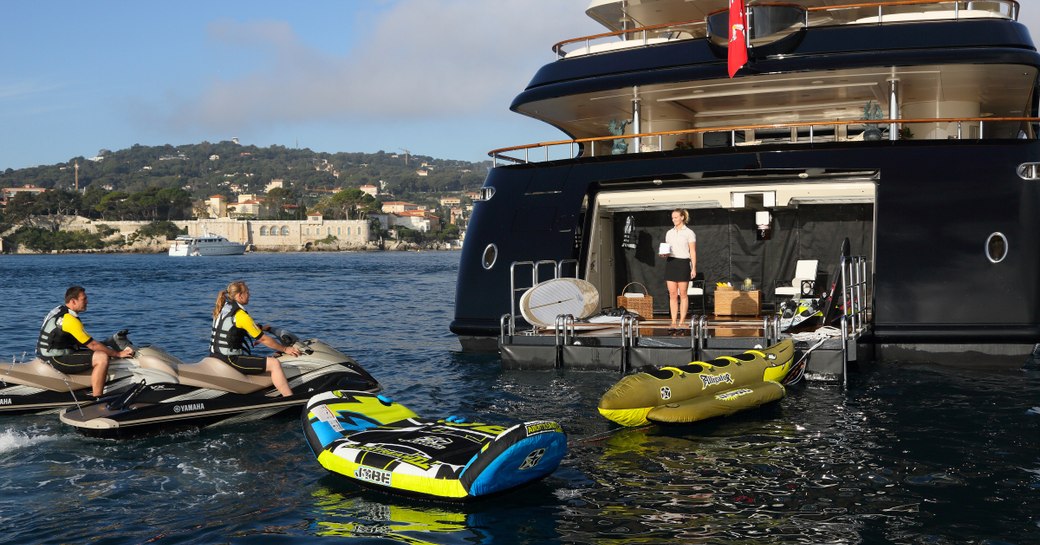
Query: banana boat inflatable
(382, 444)
(700, 390)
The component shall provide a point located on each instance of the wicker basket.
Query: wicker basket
(642, 306)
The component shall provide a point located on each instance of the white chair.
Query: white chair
(695, 291)
(805, 269)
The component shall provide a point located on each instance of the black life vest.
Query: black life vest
(52, 340)
(227, 338)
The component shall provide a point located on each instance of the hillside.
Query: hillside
(228, 168)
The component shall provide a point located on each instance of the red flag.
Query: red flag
(737, 36)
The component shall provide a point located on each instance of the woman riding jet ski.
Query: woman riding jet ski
(211, 391)
(35, 386)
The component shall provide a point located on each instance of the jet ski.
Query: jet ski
(211, 392)
(34, 386)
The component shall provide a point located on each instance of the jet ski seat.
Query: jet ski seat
(41, 373)
(213, 373)
(157, 359)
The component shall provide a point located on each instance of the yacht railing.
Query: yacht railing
(603, 145)
(517, 271)
(642, 36)
(858, 13)
(854, 316)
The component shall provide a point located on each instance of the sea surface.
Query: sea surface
(914, 454)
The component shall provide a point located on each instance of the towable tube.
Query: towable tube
(379, 443)
(699, 390)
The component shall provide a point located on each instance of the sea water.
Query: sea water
(908, 454)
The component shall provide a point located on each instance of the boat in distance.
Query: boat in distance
(205, 245)
(909, 128)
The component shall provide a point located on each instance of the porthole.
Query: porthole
(490, 256)
(996, 247)
(486, 193)
(1029, 171)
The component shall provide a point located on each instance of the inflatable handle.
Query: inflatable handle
(678, 372)
(385, 400)
(455, 419)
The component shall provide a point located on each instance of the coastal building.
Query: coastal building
(450, 201)
(8, 193)
(314, 233)
(418, 220)
(370, 189)
(456, 215)
(217, 206)
(396, 207)
(248, 206)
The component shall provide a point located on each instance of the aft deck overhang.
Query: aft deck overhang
(822, 49)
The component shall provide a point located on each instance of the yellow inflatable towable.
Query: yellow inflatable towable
(700, 390)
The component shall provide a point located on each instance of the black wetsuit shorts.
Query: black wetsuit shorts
(244, 363)
(73, 363)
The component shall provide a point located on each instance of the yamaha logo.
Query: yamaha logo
(189, 407)
(532, 459)
(6, 401)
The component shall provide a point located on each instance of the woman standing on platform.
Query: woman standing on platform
(680, 267)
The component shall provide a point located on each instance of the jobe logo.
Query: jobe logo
(532, 459)
(438, 443)
(373, 475)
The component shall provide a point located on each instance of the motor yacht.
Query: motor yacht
(908, 129)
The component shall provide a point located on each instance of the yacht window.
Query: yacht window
(996, 247)
(1029, 171)
(490, 256)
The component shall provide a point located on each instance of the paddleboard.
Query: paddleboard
(541, 304)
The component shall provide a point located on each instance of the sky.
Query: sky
(434, 77)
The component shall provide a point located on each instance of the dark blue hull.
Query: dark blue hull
(936, 204)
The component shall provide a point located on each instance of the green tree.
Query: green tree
(350, 203)
(166, 230)
(276, 201)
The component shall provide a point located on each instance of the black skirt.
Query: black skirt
(677, 270)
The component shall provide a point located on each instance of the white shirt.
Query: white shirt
(680, 239)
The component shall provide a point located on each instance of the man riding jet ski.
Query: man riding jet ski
(211, 391)
(35, 386)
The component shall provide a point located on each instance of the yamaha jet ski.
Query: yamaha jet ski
(212, 392)
(35, 386)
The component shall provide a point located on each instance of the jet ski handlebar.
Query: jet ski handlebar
(120, 341)
(288, 338)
